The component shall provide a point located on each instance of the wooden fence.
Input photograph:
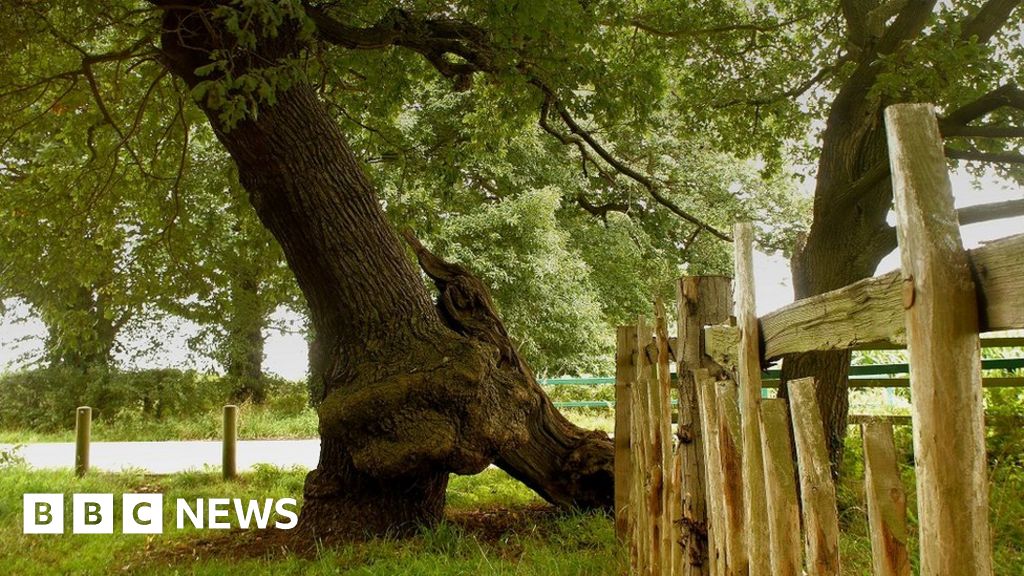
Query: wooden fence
(743, 485)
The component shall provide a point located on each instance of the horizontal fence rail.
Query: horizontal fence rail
(771, 377)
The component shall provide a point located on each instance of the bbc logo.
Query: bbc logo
(93, 513)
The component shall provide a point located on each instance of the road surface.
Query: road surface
(168, 457)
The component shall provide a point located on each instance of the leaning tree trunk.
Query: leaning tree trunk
(849, 236)
(408, 392)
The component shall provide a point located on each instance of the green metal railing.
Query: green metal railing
(862, 370)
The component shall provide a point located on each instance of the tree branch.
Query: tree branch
(651, 185)
(979, 156)
(994, 211)
(601, 210)
(1008, 94)
(436, 38)
(992, 16)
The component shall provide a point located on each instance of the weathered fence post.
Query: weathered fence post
(731, 471)
(942, 341)
(625, 374)
(887, 502)
(701, 300)
(667, 493)
(780, 489)
(83, 431)
(713, 469)
(817, 492)
(749, 376)
(644, 554)
(230, 441)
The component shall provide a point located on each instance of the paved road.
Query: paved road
(168, 457)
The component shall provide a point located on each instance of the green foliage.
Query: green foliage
(45, 400)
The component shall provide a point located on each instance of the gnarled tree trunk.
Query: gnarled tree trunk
(408, 392)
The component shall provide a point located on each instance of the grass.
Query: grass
(524, 544)
(495, 526)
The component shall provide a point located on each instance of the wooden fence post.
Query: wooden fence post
(817, 492)
(887, 502)
(625, 353)
(83, 431)
(780, 489)
(713, 469)
(731, 471)
(670, 495)
(942, 341)
(701, 300)
(230, 442)
(749, 376)
(644, 457)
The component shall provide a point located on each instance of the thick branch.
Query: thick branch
(1006, 95)
(992, 16)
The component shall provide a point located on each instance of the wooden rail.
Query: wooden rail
(869, 314)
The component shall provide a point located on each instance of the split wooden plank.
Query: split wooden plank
(625, 373)
(701, 300)
(731, 472)
(669, 496)
(714, 496)
(749, 375)
(942, 342)
(886, 500)
(780, 489)
(722, 343)
(648, 506)
(817, 492)
(871, 311)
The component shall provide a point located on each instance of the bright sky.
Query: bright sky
(286, 353)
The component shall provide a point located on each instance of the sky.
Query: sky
(286, 353)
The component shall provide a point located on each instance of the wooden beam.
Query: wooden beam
(780, 489)
(870, 312)
(748, 373)
(942, 325)
(817, 492)
(886, 500)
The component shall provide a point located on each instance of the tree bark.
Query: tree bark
(407, 392)
(849, 236)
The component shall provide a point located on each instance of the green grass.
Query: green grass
(549, 544)
(570, 543)
(564, 543)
